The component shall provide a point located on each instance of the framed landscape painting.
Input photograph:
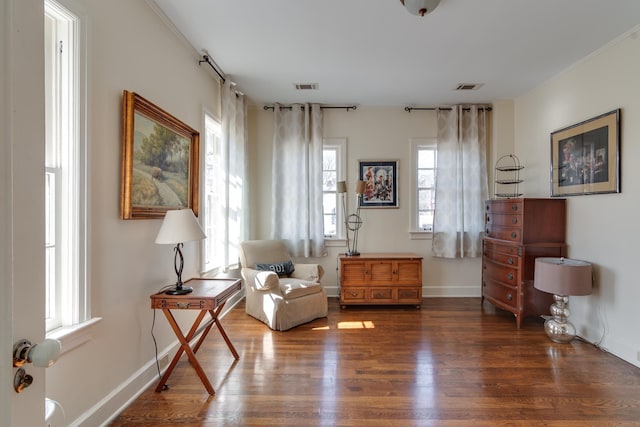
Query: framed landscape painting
(585, 157)
(381, 183)
(159, 161)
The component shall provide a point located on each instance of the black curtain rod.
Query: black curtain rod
(409, 109)
(324, 107)
(207, 59)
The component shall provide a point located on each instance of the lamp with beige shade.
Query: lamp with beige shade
(562, 277)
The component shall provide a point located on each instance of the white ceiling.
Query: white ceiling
(373, 52)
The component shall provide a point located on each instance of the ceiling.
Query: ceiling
(374, 52)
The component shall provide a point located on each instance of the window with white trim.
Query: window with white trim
(67, 290)
(423, 152)
(214, 210)
(334, 155)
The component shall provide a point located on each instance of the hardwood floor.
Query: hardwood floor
(450, 363)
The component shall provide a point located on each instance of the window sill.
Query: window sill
(335, 242)
(72, 336)
(420, 235)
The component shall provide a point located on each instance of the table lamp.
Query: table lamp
(562, 277)
(179, 226)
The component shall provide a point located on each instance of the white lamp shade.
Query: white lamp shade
(179, 226)
(341, 187)
(563, 276)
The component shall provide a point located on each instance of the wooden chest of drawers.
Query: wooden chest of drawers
(517, 231)
(384, 278)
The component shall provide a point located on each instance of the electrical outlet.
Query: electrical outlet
(164, 361)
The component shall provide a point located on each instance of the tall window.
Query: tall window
(65, 201)
(424, 155)
(333, 170)
(214, 197)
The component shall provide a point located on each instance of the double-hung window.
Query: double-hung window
(424, 155)
(334, 156)
(214, 209)
(67, 299)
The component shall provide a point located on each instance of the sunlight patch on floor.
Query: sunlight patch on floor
(364, 324)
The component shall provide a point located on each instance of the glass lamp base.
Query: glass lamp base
(558, 328)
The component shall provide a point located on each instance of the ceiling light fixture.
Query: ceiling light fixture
(420, 7)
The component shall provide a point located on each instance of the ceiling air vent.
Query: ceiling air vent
(468, 86)
(306, 86)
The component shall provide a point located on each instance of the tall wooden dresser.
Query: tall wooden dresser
(517, 231)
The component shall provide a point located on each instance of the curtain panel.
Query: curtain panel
(236, 200)
(461, 182)
(297, 216)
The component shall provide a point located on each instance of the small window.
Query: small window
(333, 170)
(425, 161)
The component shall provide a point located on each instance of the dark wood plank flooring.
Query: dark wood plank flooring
(451, 363)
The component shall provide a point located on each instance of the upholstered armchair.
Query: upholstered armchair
(278, 292)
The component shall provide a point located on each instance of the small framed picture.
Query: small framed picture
(380, 179)
(585, 157)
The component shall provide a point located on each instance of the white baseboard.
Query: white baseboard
(108, 408)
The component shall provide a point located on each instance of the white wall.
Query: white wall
(601, 228)
(382, 133)
(129, 47)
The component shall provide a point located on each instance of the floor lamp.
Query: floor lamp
(562, 277)
(352, 222)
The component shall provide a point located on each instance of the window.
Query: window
(424, 155)
(333, 170)
(214, 211)
(65, 201)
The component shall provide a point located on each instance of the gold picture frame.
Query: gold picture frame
(585, 157)
(160, 161)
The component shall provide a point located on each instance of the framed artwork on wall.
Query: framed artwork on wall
(585, 157)
(160, 158)
(381, 183)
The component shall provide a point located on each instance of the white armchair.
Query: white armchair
(285, 301)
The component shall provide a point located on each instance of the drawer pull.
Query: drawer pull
(488, 231)
(510, 261)
(510, 276)
(484, 284)
(514, 234)
(183, 305)
(514, 220)
(509, 297)
(514, 207)
(488, 218)
(354, 294)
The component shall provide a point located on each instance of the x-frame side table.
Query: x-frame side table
(208, 296)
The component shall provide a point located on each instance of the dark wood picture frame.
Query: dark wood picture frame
(160, 161)
(585, 157)
(381, 183)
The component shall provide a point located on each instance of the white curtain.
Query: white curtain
(461, 182)
(297, 216)
(234, 137)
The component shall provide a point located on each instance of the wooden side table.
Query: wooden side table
(208, 296)
(381, 278)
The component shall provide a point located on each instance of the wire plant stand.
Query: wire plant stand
(507, 177)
